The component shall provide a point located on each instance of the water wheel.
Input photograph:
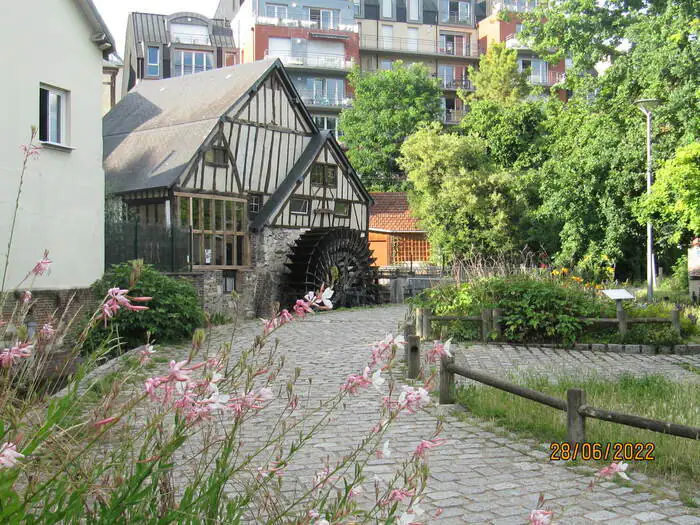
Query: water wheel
(339, 257)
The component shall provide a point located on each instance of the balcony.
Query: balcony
(454, 84)
(514, 6)
(550, 79)
(197, 39)
(418, 47)
(312, 98)
(453, 116)
(514, 42)
(315, 61)
(306, 24)
(454, 18)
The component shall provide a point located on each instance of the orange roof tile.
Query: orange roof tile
(391, 213)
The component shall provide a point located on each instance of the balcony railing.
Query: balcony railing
(306, 24)
(551, 78)
(515, 6)
(453, 116)
(312, 98)
(190, 38)
(314, 61)
(423, 47)
(513, 41)
(455, 83)
(455, 18)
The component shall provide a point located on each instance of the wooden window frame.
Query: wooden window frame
(327, 168)
(217, 236)
(335, 208)
(214, 163)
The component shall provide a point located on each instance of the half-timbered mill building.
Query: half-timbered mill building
(234, 156)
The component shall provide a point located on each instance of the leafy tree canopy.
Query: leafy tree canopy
(388, 106)
(498, 78)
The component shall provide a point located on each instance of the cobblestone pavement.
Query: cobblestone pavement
(478, 476)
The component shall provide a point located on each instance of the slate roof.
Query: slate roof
(152, 28)
(153, 133)
(391, 213)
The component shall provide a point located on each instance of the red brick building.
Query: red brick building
(394, 234)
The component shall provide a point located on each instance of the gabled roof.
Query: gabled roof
(152, 28)
(391, 213)
(154, 132)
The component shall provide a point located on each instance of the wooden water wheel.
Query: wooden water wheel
(337, 257)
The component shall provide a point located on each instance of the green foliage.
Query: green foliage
(675, 197)
(498, 78)
(541, 310)
(388, 106)
(173, 313)
(465, 202)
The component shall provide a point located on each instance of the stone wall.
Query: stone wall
(50, 306)
(270, 249)
(209, 285)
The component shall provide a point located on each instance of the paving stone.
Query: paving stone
(686, 520)
(601, 515)
(649, 517)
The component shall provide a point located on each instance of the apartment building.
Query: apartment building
(316, 40)
(164, 46)
(495, 28)
(439, 33)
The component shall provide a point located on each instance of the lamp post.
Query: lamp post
(646, 105)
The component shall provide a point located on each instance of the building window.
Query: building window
(230, 59)
(413, 13)
(455, 45)
(324, 175)
(387, 9)
(299, 206)
(412, 40)
(387, 38)
(53, 115)
(229, 281)
(325, 18)
(218, 226)
(216, 156)
(254, 204)
(341, 209)
(328, 123)
(190, 62)
(275, 11)
(153, 62)
(385, 64)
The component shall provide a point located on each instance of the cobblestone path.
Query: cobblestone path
(478, 476)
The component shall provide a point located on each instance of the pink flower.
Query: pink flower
(9, 456)
(26, 297)
(265, 394)
(116, 299)
(106, 421)
(321, 299)
(30, 150)
(354, 382)
(146, 353)
(540, 517)
(424, 446)
(412, 399)
(41, 267)
(302, 307)
(9, 355)
(612, 469)
(382, 351)
(285, 317)
(269, 324)
(438, 350)
(397, 495)
(177, 373)
(47, 331)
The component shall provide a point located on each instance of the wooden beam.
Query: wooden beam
(271, 127)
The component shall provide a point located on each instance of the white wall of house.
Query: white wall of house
(62, 203)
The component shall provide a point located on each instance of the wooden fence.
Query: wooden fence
(491, 321)
(575, 405)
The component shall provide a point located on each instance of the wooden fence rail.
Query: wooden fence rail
(575, 406)
(491, 320)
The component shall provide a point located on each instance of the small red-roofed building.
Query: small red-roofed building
(395, 237)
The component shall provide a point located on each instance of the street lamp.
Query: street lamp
(646, 105)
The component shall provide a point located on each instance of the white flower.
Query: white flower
(446, 348)
(378, 380)
(386, 451)
(325, 298)
(218, 401)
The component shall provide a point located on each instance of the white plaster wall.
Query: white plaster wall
(61, 208)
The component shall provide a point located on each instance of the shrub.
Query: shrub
(173, 312)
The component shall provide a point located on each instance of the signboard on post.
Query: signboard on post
(618, 294)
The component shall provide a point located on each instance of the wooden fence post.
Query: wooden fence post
(621, 317)
(676, 320)
(485, 324)
(426, 324)
(447, 381)
(575, 422)
(419, 322)
(413, 346)
(497, 324)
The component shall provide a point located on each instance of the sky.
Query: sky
(115, 12)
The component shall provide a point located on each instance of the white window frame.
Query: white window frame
(149, 63)
(55, 134)
(334, 15)
(413, 5)
(412, 43)
(280, 10)
(306, 202)
(194, 61)
(383, 8)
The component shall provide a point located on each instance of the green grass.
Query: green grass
(676, 459)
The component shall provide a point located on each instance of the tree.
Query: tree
(461, 198)
(387, 108)
(498, 78)
(674, 202)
